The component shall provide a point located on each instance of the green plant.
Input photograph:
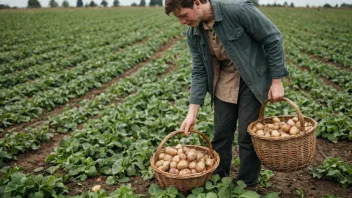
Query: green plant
(264, 177)
(334, 169)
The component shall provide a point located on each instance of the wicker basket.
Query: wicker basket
(185, 183)
(285, 154)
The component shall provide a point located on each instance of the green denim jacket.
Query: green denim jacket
(251, 40)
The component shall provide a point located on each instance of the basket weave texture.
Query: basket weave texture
(285, 154)
(185, 183)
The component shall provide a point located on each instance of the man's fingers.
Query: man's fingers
(186, 132)
(182, 126)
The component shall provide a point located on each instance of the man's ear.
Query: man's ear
(197, 2)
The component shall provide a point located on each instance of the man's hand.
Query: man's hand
(191, 119)
(276, 92)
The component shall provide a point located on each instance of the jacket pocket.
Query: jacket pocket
(239, 36)
(261, 68)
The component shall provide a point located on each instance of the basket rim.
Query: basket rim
(216, 157)
(301, 135)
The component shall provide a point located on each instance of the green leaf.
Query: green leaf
(272, 195)
(197, 191)
(215, 179)
(117, 167)
(211, 195)
(154, 189)
(110, 180)
(38, 169)
(172, 190)
(38, 194)
(249, 194)
(241, 184)
(226, 181)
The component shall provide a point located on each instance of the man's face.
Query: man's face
(188, 16)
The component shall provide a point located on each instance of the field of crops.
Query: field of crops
(87, 95)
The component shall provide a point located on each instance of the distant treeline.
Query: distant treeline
(116, 3)
(343, 5)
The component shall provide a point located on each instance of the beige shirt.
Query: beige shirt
(226, 76)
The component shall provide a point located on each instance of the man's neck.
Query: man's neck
(207, 10)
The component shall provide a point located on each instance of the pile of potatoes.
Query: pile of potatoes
(181, 160)
(279, 128)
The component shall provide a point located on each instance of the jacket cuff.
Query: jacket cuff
(194, 100)
(280, 74)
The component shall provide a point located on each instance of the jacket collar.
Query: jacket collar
(217, 16)
(216, 10)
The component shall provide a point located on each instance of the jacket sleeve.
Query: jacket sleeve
(199, 75)
(260, 28)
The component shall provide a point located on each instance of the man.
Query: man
(238, 58)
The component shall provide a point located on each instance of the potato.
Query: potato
(291, 122)
(161, 156)
(191, 156)
(167, 157)
(260, 132)
(275, 133)
(178, 146)
(270, 126)
(182, 165)
(209, 162)
(267, 134)
(179, 151)
(276, 120)
(259, 126)
(200, 166)
(96, 188)
(174, 171)
(185, 149)
(294, 130)
(159, 163)
(284, 135)
(176, 158)
(166, 163)
(185, 172)
(276, 126)
(164, 168)
(254, 129)
(193, 171)
(173, 164)
(200, 156)
(285, 128)
(295, 119)
(192, 165)
(171, 151)
(182, 156)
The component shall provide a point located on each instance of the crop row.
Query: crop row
(54, 74)
(27, 33)
(109, 67)
(71, 52)
(338, 53)
(15, 143)
(340, 77)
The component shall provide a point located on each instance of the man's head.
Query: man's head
(187, 11)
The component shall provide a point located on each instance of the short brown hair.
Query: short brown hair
(171, 5)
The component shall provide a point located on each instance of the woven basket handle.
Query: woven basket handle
(299, 113)
(181, 131)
